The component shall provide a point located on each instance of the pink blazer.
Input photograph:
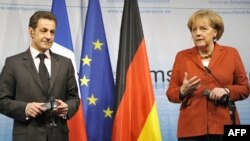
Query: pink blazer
(198, 115)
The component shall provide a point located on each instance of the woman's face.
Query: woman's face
(202, 33)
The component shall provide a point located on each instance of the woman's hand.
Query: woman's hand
(189, 85)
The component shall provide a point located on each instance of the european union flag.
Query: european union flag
(96, 77)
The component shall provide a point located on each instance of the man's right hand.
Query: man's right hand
(34, 109)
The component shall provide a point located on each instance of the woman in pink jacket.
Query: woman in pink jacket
(207, 79)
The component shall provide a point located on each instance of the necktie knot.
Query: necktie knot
(41, 56)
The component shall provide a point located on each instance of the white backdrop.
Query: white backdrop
(165, 30)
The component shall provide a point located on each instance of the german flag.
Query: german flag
(136, 115)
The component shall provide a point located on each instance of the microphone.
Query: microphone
(210, 72)
(51, 103)
(225, 100)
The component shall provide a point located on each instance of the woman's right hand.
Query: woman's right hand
(189, 85)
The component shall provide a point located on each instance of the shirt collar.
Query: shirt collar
(35, 52)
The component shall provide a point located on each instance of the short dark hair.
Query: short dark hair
(41, 15)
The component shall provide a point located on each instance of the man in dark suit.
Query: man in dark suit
(40, 110)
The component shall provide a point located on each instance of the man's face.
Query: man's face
(43, 35)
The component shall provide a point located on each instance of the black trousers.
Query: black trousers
(203, 138)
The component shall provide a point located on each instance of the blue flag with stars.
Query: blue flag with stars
(96, 77)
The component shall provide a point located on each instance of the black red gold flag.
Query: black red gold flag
(136, 115)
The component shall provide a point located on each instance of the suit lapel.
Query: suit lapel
(55, 65)
(30, 66)
(216, 55)
(194, 54)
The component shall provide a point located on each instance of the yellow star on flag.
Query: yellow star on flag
(97, 45)
(84, 81)
(108, 112)
(92, 100)
(86, 60)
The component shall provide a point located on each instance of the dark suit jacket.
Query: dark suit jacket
(198, 115)
(20, 84)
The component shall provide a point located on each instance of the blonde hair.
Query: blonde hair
(215, 19)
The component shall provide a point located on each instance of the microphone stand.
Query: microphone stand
(52, 116)
(230, 104)
(52, 105)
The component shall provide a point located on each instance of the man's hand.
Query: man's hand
(34, 109)
(62, 109)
